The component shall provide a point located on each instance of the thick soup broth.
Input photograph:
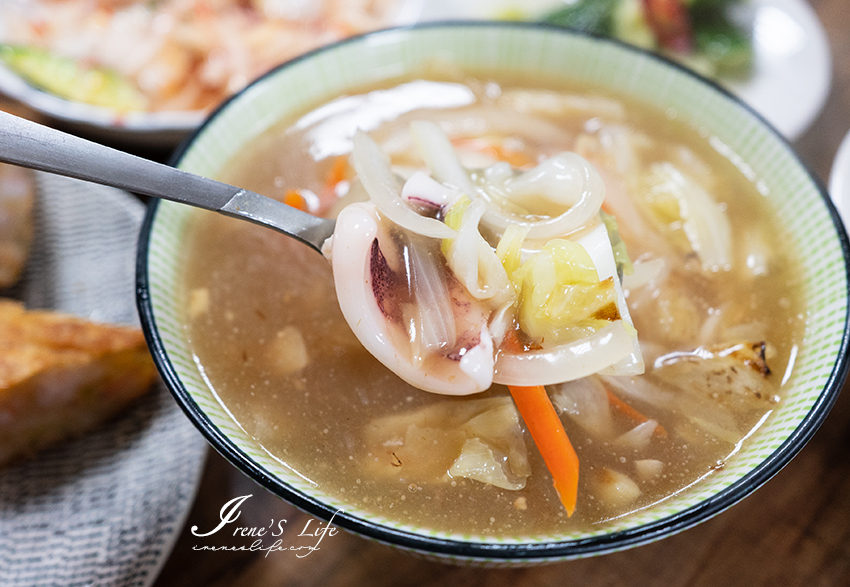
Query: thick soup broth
(718, 343)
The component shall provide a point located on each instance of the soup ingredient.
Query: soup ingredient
(478, 439)
(17, 198)
(373, 293)
(287, 352)
(710, 386)
(679, 200)
(437, 316)
(730, 373)
(648, 469)
(615, 490)
(704, 34)
(633, 414)
(61, 376)
(548, 433)
(586, 403)
(370, 439)
(463, 307)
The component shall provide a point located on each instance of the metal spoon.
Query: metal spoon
(29, 144)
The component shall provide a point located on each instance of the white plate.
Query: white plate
(839, 180)
(793, 64)
(103, 509)
(792, 76)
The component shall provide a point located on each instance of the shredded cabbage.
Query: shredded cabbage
(472, 260)
(561, 297)
(618, 246)
(677, 199)
(509, 249)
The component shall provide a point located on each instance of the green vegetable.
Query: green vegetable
(720, 5)
(621, 255)
(69, 79)
(561, 298)
(725, 45)
(591, 16)
(720, 46)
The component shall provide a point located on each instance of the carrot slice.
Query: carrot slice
(295, 199)
(548, 433)
(497, 151)
(633, 414)
(338, 173)
(515, 158)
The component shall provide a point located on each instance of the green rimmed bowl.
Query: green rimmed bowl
(802, 208)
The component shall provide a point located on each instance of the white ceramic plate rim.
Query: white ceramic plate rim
(839, 180)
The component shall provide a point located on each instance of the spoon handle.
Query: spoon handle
(29, 144)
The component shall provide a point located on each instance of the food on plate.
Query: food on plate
(137, 55)
(61, 376)
(707, 35)
(17, 198)
(545, 308)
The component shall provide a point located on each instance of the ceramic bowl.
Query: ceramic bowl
(804, 213)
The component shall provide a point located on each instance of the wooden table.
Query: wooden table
(793, 531)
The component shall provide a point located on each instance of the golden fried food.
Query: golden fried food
(61, 375)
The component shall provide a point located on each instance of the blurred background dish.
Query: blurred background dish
(149, 71)
(787, 81)
(146, 73)
(792, 61)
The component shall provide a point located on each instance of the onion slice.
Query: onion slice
(436, 320)
(373, 169)
(439, 155)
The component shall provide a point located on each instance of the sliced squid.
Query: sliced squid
(374, 171)
(367, 289)
(559, 196)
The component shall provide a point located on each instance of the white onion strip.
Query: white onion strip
(439, 155)
(437, 320)
(373, 169)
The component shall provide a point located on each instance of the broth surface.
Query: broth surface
(263, 319)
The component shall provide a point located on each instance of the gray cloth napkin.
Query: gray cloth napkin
(106, 508)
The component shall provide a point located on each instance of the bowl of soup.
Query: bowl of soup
(597, 300)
